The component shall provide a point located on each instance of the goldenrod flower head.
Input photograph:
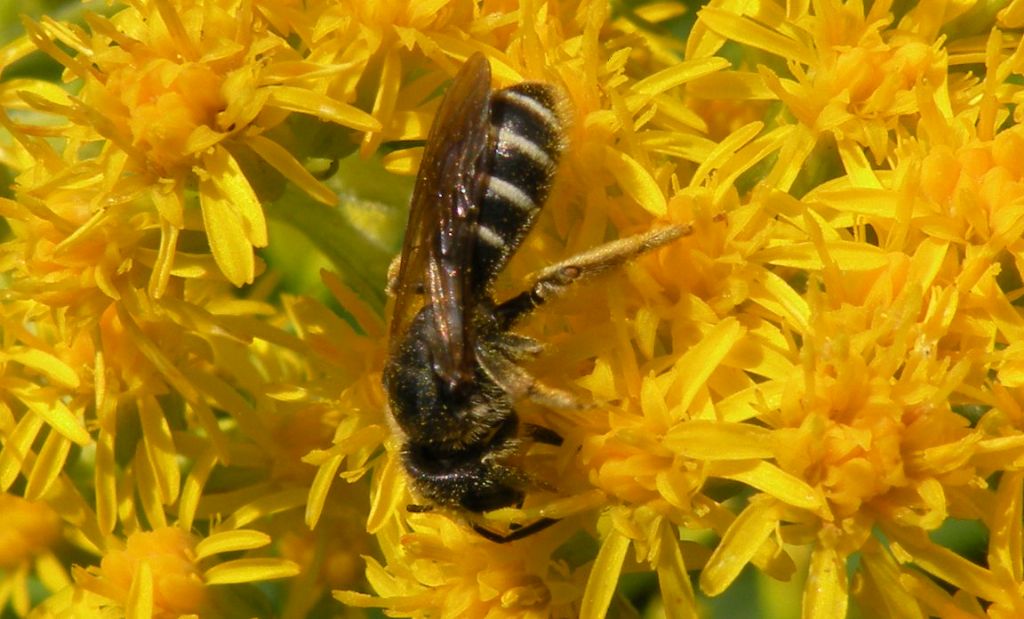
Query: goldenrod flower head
(969, 187)
(455, 572)
(859, 417)
(180, 94)
(160, 565)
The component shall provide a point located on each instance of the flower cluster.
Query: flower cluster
(822, 383)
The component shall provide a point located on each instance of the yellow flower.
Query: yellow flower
(184, 95)
(157, 574)
(156, 569)
(895, 329)
(452, 570)
(849, 74)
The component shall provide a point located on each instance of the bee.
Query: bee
(453, 375)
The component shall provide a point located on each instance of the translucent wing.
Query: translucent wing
(437, 254)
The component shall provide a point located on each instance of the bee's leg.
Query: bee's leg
(552, 397)
(393, 269)
(554, 280)
(414, 508)
(540, 434)
(515, 477)
(518, 347)
(520, 384)
(329, 171)
(517, 533)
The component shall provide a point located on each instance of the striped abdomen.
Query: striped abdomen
(527, 138)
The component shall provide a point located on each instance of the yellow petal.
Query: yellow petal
(48, 466)
(825, 595)
(140, 596)
(636, 181)
(250, 570)
(403, 162)
(270, 502)
(148, 491)
(193, 488)
(106, 482)
(717, 440)
(384, 104)
(747, 157)
(740, 543)
(846, 255)
(773, 481)
(228, 179)
(283, 161)
(231, 541)
(230, 248)
(741, 85)
(690, 147)
(201, 139)
(16, 445)
(855, 160)
(722, 152)
(745, 404)
(407, 125)
(604, 575)
(866, 201)
(694, 368)
(44, 363)
(747, 31)
(18, 49)
(360, 600)
(961, 573)
(774, 294)
(800, 142)
(884, 589)
(677, 74)
(160, 449)
(325, 474)
(388, 495)
(321, 106)
(676, 590)
(47, 405)
(51, 572)
(230, 217)
(1004, 548)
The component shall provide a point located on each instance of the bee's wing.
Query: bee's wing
(438, 251)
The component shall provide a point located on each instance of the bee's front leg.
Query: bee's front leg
(393, 270)
(520, 384)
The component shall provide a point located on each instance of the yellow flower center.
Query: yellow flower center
(177, 586)
(983, 178)
(164, 102)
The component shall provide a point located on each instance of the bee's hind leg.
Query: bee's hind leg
(554, 280)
